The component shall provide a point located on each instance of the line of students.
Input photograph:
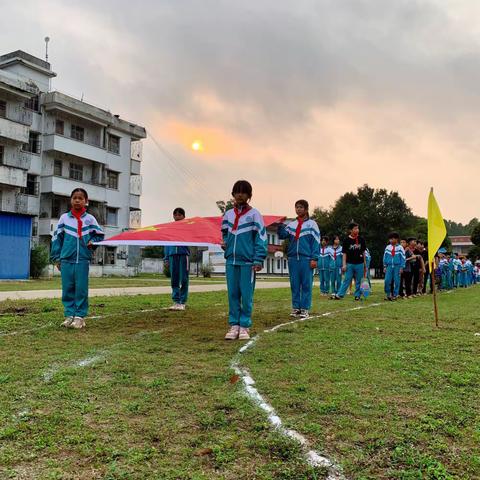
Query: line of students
(456, 271)
(245, 245)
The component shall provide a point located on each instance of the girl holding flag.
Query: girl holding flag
(303, 250)
(245, 244)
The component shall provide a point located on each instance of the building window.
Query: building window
(112, 217)
(113, 144)
(56, 207)
(32, 185)
(76, 172)
(77, 133)
(3, 108)
(2, 151)
(284, 264)
(34, 143)
(109, 258)
(279, 265)
(112, 179)
(57, 168)
(59, 127)
(33, 104)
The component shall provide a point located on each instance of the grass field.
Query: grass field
(150, 395)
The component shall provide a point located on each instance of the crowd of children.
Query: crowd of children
(244, 236)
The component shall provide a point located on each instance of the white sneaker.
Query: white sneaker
(68, 322)
(175, 306)
(295, 312)
(244, 334)
(181, 306)
(304, 313)
(233, 332)
(78, 322)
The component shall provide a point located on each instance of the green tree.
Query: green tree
(39, 259)
(475, 237)
(224, 206)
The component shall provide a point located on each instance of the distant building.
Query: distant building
(461, 244)
(275, 263)
(51, 143)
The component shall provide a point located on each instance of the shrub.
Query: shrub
(207, 270)
(39, 259)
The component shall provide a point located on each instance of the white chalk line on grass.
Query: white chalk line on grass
(313, 457)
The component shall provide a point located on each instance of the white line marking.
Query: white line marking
(313, 458)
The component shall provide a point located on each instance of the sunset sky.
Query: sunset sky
(305, 98)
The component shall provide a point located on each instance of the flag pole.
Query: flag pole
(434, 291)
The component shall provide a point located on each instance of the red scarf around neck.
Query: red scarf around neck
(299, 227)
(239, 214)
(393, 250)
(77, 214)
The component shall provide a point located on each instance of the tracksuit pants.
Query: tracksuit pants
(353, 271)
(75, 288)
(301, 282)
(179, 277)
(240, 285)
(335, 279)
(392, 275)
(324, 276)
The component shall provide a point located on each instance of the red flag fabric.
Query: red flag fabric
(195, 232)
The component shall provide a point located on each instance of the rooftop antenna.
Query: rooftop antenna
(47, 39)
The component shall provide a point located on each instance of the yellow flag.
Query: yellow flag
(436, 227)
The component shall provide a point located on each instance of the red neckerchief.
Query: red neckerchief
(299, 227)
(393, 250)
(77, 215)
(238, 214)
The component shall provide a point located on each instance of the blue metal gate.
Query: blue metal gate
(15, 234)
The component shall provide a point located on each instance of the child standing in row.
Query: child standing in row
(177, 259)
(324, 266)
(245, 243)
(354, 247)
(72, 246)
(303, 251)
(336, 263)
(393, 265)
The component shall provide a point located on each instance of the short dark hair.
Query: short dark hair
(242, 186)
(81, 190)
(334, 237)
(325, 238)
(393, 235)
(303, 203)
(352, 225)
(409, 239)
(179, 210)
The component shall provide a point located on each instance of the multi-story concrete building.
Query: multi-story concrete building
(51, 143)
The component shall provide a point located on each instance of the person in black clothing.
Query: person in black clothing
(415, 264)
(353, 248)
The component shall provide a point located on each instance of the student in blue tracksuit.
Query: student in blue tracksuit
(393, 265)
(336, 263)
(354, 247)
(368, 261)
(245, 244)
(457, 266)
(178, 260)
(324, 266)
(303, 250)
(71, 251)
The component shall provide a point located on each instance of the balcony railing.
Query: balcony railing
(16, 158)
(19, 115)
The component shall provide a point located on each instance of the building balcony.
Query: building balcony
(13, 176)
(27, 204)
(70, 146)
(136, 184)
(135, 201)
(63, 186)
(14, 157)
(135, 167)
(13, 131)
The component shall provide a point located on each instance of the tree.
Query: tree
(377, 211)
(475, 237)
(224, 206)
(39, 259)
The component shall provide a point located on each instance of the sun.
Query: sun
(197, 146)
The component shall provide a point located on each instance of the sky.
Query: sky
(303, 98)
